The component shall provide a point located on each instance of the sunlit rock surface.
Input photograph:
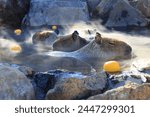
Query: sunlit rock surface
(14, 84)
(52, 12)
(130, 91)
(73, 85)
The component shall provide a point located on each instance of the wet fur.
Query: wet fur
(69, 43)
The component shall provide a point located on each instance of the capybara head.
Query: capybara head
(112, 48)
(44, 37)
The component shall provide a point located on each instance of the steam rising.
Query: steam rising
(139, 43)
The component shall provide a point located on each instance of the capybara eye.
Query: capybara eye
(111, 43)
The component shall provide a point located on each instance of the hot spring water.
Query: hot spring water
(139, 40)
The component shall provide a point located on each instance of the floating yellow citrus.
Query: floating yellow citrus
(112, 66)
(16, 48)
(18, 32)
(54, 27)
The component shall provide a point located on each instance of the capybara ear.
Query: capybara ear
(75, 35)
(98, 38)
(98, 34)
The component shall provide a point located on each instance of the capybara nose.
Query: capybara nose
(128, 50)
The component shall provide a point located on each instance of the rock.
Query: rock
(60, 12)
(14, 85)
(124, 15)
(76, 86)
(142, 65)
(44, 38)
(117, 80)
(144, 7)
(130, 91)
(13, 11)
(104, 8)
(43, 82)
(29, 72)
(69, 43)
(133, 2)
(119, 13)
(92, 4)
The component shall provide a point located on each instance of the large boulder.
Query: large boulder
(58, 12)
(27, 71)
(14, 84)
(144, 7)
(71, 85)
(130, 91)
(119, 13)
(92, 4)
(13, 11)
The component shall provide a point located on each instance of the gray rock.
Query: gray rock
(44, 38)
(77, 87)
(52, 12)
(133, 2)
(144, 7)
(130, 91)
(104, 8)
(13, 11)
(124, 15)
(121, 79)
(14, 84)
(29, 72)
(119, 13)
(92, 4)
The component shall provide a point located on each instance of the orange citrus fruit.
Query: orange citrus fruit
(54, 27)
(112, 66)
(16, 48)
(18, 32)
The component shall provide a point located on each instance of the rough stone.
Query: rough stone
(144, 7)
(119, 13)
(14, 85)
(92, 4)
(130, 91)
(76, 86)
(56, 12)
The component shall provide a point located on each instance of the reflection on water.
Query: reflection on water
(138, 39)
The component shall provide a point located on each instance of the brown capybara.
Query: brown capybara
(69, 43)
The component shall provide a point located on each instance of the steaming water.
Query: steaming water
(138, 39)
